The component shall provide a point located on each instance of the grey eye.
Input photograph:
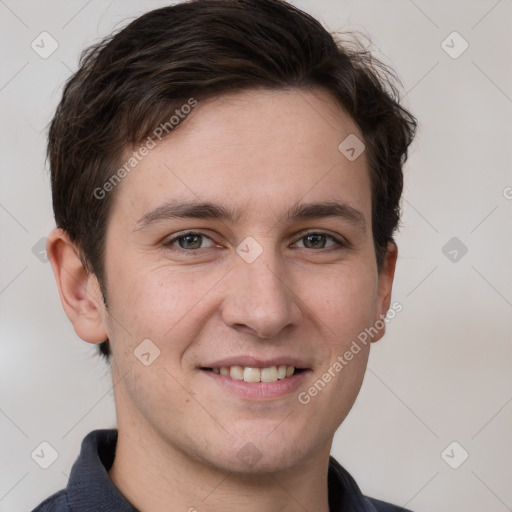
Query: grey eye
(317, 241)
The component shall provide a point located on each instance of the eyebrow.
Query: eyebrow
(325, 210)
(213, 211)
(188, 210)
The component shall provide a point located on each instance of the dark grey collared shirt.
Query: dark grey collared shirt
(90, 489)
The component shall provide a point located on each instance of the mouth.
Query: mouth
(257, 379)
(254, 374)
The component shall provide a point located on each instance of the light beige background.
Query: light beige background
(443, 371)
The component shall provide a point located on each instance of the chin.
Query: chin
(261, 456)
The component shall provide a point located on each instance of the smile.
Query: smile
(253, 374)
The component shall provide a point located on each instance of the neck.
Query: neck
(155, 476)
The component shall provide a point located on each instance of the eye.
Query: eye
(189, 241)
(319, 241)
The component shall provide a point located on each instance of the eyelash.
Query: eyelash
(340, 243)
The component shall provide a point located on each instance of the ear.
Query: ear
(385, 285)
(79, 289)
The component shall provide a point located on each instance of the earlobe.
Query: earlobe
(385, 287)
(79, 289)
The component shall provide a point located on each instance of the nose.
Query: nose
(261, 299)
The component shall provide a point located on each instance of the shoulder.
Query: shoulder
(55, 503)
(344, 493)
(382, 506)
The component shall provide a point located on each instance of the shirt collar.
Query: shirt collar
(90, 488)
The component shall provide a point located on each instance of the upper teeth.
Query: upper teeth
(248, 374)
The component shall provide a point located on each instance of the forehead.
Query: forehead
(254, 150)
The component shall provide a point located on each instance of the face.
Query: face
(243, 242)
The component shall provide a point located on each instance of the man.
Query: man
(226, 182)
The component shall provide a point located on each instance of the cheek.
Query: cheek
(345, 302)
(343, 308)
(160, 304)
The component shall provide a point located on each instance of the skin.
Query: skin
(258, 152)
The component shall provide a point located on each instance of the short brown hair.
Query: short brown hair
(133, 80)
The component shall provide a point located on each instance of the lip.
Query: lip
(255, 362)
(258, 391)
